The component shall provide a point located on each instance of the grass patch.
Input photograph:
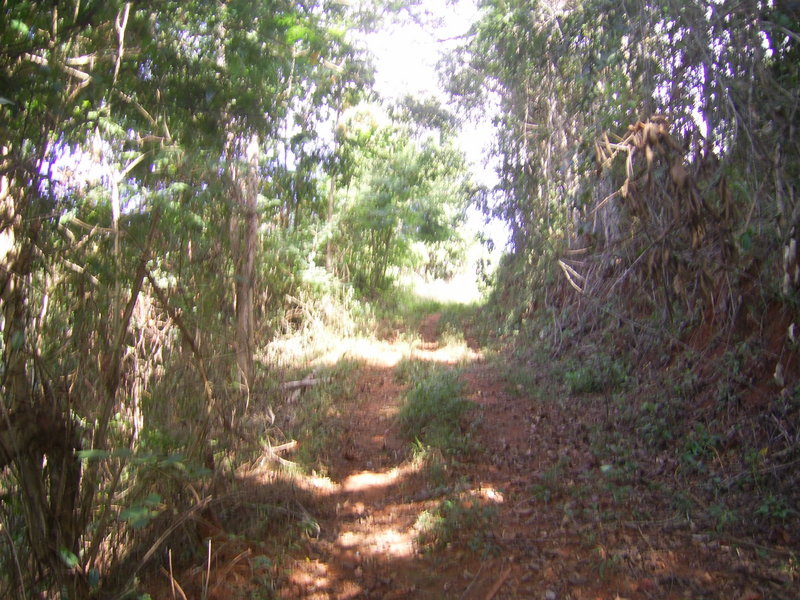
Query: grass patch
(454, 520)
(598, 374)
(404, 309)
(411, 369)
(434, 413)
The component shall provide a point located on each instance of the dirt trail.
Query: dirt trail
(567, 526)
(366, 546)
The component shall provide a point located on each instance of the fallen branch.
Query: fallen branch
(221, 577)
(271, 454)
(570, 274)
(302, 383)
(287, 447)
(498, 584)
(173, 583)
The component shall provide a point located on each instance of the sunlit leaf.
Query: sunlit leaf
(19, 27)
(295, 33)
(92, 454)
(69, 558)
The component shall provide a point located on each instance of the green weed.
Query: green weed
(456, 519)
(607, 564)
(411, 369)
(434, 413)
(318, 418)
(599, 374)
(261, 567)
(403, 308)
(431, 463)
(723, 516)
(774, 508)
(698, 447)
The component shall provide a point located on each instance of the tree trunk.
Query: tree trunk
(331, 194)
(244, 245)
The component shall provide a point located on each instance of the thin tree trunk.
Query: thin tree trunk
(331, 194)
(244, 243)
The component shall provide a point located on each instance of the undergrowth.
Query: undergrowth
(435, 412)
(405, 310)
(316, 418)
(706, 431)
(458, 519)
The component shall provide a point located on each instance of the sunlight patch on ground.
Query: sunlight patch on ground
(372, 479)
(324, 486)
(382, 542)
(387, 355)
(294, 350)
(489, 494)
(371, 352)
(313, 576)
(449, 354)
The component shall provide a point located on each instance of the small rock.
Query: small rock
(577, 580)
(550, 595)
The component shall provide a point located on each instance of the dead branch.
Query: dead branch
(303, 383)
(287, 447)
(570, 274)
(498, 584)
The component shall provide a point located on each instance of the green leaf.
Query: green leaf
(93, 454)
(606, 469)
(175, 459)
(20, 27)
(121, 453)
(69, 558)
(94, 578)
(746, 240)
(138, 516)
(17, 340)
(296, 32)
(152, 500)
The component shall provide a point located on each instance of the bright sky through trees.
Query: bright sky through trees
(407, 53)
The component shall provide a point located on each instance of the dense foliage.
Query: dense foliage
(648, 173)
(163, 196)
(656, 138)
(411, 190)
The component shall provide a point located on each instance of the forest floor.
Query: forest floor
(533, 508)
